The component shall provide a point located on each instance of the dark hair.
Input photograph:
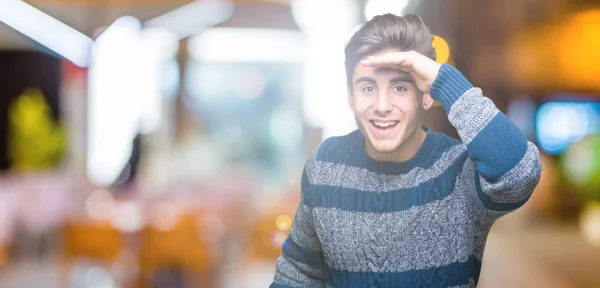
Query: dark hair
(388, 31)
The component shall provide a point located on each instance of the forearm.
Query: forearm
(507, 163)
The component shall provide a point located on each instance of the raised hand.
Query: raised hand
(423, 69)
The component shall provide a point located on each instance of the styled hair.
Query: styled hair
(388, 31)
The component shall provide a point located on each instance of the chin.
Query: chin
(385, 143)
(385, 146)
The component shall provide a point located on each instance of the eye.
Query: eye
(368, 89)
(399, 88)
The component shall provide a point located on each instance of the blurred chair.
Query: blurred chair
(179, 247)
(94, 240)
(91, 240)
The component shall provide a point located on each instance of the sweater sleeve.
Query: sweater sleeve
(507, 165)
(301, 263)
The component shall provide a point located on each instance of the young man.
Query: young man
(395, 204)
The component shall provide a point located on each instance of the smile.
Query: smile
(384, 125)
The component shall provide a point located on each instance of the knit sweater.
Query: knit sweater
(419, 223)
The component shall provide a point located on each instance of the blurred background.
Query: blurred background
(155, 143)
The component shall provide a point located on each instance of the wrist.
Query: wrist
(448, 86)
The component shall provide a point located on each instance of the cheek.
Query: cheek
(361, 105)
(407, 105)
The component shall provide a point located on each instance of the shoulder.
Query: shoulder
(322, 157)
(336, 149)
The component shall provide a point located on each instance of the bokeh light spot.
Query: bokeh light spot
(442, 49)
(283, 222)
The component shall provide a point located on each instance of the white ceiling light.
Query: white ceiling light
(46, 30)
(114, 110)
(194, 17)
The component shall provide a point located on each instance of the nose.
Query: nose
(383, 105)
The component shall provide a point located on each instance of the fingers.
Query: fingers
(400, 59)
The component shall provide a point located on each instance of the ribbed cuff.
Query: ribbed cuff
(448, 86)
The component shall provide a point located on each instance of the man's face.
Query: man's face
(387, 106)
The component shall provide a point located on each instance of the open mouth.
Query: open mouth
(384, 125)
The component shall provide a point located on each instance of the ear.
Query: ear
(350, 100)
(427, 101)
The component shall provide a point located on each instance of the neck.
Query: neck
(404, 152)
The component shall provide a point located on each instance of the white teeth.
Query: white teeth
(385, 124)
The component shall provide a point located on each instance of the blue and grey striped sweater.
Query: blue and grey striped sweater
(419, 223)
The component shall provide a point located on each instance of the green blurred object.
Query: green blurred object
(36, 141)
(581, 163)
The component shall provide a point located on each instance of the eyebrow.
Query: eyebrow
(365, 79)
(400, 79)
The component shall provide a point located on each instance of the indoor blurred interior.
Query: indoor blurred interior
(160, 143)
